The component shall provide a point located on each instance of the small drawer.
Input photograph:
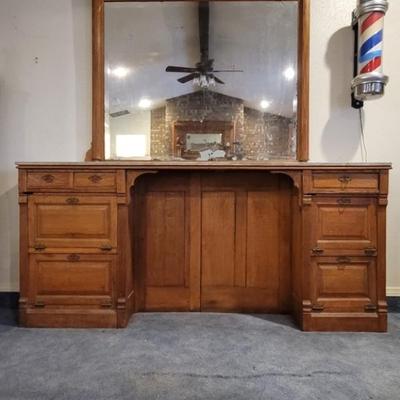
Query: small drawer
(49, 180)
(344, 284)
(72, 279)
(96, 181)
(354, 182)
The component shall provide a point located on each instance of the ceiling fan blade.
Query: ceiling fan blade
(204, 28)
(187, 78)
(172, 68)
(218, 80)
(228, 70)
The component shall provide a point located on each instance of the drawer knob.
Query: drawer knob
(72, 200)
(106, 247)
(343, 260)
(95, 178)
(73, 257)
(39, 246)
(345, 179)
(317, 250)
(344, 200)
(370, 251)
(48, 178)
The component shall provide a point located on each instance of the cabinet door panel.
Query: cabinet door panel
(344, 284)
(245, 235)
(68, 279)
(60, 223)
(163, 248)
(344, 225)
(218, 239)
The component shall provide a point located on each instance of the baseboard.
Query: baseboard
(9, 300)
(393, 291)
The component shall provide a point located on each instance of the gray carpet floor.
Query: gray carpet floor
(198, 356)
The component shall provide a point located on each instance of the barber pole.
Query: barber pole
(370, 81)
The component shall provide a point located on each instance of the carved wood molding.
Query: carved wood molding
(383, 201)
(22, 199)
(307, 306)
(131, 178)
(295, 176)
(297, 179)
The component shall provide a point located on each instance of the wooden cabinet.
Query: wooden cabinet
(100, 241)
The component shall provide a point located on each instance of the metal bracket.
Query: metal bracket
(39, 246)
(106, 304)
(317, 308)
(317, 251)
(370, 308)
(357, 104)
(370, 251)
(39, 304)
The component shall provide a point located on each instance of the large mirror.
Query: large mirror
(208, 80)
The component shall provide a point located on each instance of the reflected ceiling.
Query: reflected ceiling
(142, 38)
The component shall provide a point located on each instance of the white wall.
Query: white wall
(45, 104)
(45, 99)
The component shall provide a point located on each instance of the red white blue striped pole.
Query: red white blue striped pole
(370, 81)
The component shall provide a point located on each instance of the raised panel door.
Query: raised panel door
(72, 279)
(344, 226)
(344, 284)
(245, 243)
(163, 255)
(84, 223)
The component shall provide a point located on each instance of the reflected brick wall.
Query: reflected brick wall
(262, 135)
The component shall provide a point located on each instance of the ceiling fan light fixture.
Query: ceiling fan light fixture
(264, 104)
(145, 103)
(119, 72)
(289, 73)
(204, 81)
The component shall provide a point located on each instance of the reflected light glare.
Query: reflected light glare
(145, 103)
(289, 73)
(295, 104)
(131, 145)
(119, 72)
(264, 104)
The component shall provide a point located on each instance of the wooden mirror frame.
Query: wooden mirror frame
(97, 153)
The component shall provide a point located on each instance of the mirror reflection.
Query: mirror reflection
(201, 80)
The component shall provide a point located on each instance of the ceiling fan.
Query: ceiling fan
(203, 73)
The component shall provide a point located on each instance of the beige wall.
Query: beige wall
(45, 103)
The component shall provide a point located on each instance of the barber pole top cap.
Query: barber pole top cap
(367, 6)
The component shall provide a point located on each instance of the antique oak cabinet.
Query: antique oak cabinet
(103, 240)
